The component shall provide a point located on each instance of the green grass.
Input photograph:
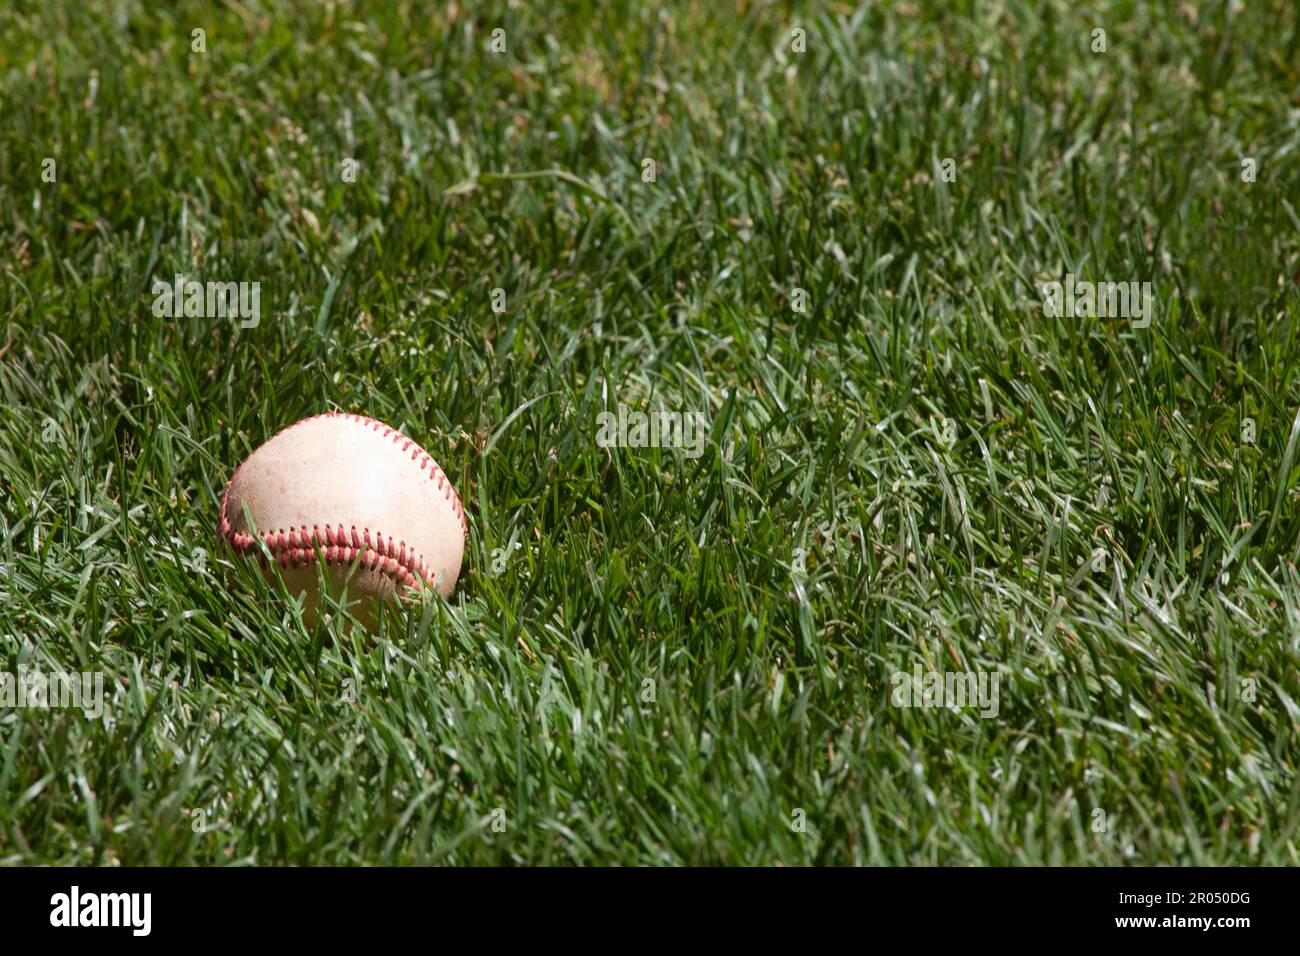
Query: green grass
(763, 594)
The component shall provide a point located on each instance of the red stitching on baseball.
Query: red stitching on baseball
(298, 548)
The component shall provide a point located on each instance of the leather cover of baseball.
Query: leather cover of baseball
(357, 492)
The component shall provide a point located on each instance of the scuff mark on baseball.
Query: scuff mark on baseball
(359, 493)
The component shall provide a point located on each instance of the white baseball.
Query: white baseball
(357, 493)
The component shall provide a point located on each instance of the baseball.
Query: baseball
(356, 494)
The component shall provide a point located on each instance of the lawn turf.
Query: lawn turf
(685, 660)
